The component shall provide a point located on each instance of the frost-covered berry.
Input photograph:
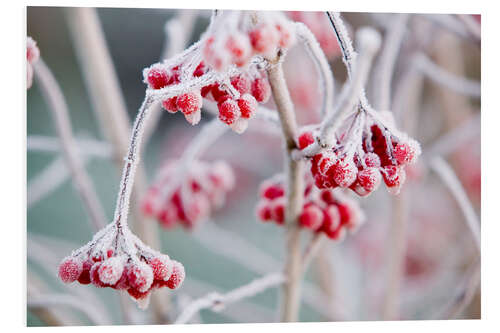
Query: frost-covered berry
(239, 48)
(406, 153)
(264, 211)
(311, 217)
(345, 173)
(241, 83)
(286, 35)
(369, 179)
(189, 102)
(170, 104)
(261, 90)
(248, 106)
(331, 222)
(271, 191)
(32, 55)
(229, 111)
(94, 276)
(162, 267)
(111, 270)
(372, 160)
(157, 77)
(70, 269)
(305, 139)
(122, 283)
(84, 277)
(263, 39)
(178, 275)
(278, 211)
(140, 276)
(394, 178)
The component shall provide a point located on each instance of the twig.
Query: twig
(449, 178)
(216, 301)
(388, 56)
(451, 81)
(325, 73)
(294, 189)
(42, 301)
(472, 26)
(86, 146)
(314, 246)
(57, 105)
(453, 25)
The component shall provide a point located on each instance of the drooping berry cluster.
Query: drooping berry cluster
(225, 66)
(32, 56)
(368, 151)
(324, 210)
(191, 198)
(115, 258)
(319, 25)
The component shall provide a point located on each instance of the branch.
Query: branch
(217, 302)
(388, 56)
(86, 146)
(445, 172)
(294, 189)
(57, 105)
(453, 25)
(441, 76)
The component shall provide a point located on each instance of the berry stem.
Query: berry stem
(57, 105)
(294, 189)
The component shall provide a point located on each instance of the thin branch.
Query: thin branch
(57, 105)
(217, 302)
(86, 146)
(451, 81)
(294, 189)
(453, 25)
(472, 26)
(312, 248)
(326, 84)
(449, 178)
(388, 56)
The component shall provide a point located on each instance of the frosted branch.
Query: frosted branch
(388, 56)
(86, 146)
(453, 25)
(439, 75)
(449, 178)
(57, 105)
(325, 73)
(472, 26)
(217, 302)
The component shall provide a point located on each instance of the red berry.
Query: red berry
(327, 164)
(394, 178)
(261, 90)
(369, 179)
(248, 106)
(170, 104)
(218, 93)
(263, 39)
(178, 275)
(94, 276)
(239, 48)
(70, 269)
(84, 277)
(278, 211)
(157, 78)
(200, 70)
(229, 111)
(406, 153)
(110, 270)
(162, 267)
(122, 283)
(264, 211)
(138, 295)
(241, 83)
(271, 190)
(311, 217)
(345, 173)
(206, 90)
(305, 139)
(372, 160)
(140, 276)
(331, 222)
(189, 102)
(328, 197)
(286, 37)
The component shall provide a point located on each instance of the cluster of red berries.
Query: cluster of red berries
(118, 269)
(188, 200)
(237, 97)
(238, 44)
(320, 26)
(324, 211)
(379, 156)
(32, 55)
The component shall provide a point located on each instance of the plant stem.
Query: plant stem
(57, 105)
(294, 190)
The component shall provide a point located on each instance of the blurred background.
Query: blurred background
(233, 247)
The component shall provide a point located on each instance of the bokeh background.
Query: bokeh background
(234, 248)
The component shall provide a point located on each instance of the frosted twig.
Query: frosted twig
(86, 146)
(325, 73)
(311, 250)
(38, 301)
(441, 76)
(57, 105)
(454, 138)
(472, 26)
(47, 180)
(216, 301)
(453, 25)
(387, 61)
(449, 178)
(294, 188)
